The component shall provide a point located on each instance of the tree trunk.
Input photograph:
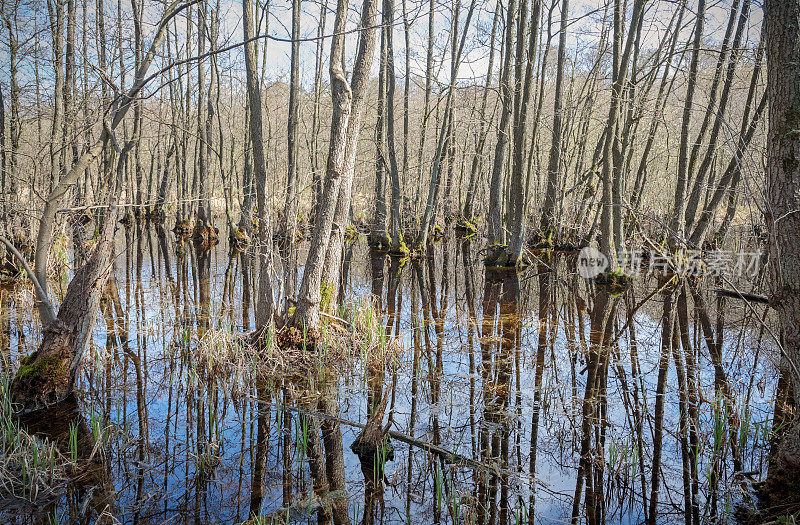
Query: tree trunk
(396, 244)
(548, 224)
(483, 129)
(782, 36)
(204, 233)
(265, 303)
(290, 208)
(345, 123)
(495, 218)
(378, 237)
(678, 223)
(47, 376)
(522, 95)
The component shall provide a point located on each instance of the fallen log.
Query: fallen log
(751, 297)
(447, 456)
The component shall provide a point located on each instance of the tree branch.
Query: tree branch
(46, 311)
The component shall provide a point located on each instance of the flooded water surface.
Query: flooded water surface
(516, 397)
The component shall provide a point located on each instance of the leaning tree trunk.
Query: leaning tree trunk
(47, 376)
(782, 35)
(117, 113)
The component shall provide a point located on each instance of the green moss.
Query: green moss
(437, 233)
(350, 233)
(326, 293)
(614, 282)
(467, 226)
(400, 248)
(496, 255)
(379, 241)
(47, 368)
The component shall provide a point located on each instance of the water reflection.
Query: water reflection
(524, 397)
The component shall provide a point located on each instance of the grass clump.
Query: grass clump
(352, 331)
(32, 470)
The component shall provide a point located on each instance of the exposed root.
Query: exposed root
(238, 239)
(183, 228)
(205, 236)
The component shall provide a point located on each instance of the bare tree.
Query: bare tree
(346, 110)
(265, 302)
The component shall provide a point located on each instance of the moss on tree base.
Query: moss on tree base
(44, 378)
(379, 241)
(615, 283)
(466, 227)
(205, 236)
(350, 233)
(777, 499)
(238, 239)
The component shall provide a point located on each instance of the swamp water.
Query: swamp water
(491, 368)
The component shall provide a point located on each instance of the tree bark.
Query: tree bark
(265, 302)
(495, 218)
(548, 223)
(782, 214)
(345, 123)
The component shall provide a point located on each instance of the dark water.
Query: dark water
(490, 367)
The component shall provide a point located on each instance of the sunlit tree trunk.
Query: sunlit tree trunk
(548, 221)
(204, 232)
(678, 224)
(55, 9)
(444, 129)
(316, 170)
(378, 235)
(483, 128)
(290, 207)
(522, 95)
(396, 243)
(426, 109)
(496, 189)
(348, 102)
